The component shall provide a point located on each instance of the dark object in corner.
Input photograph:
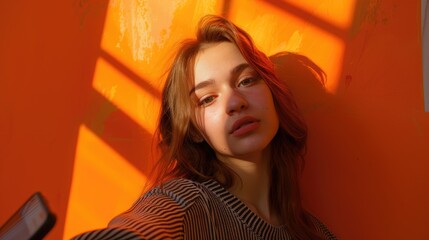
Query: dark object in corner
(32, 221)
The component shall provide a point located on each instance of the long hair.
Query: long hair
(182, 156)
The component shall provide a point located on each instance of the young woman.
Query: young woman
(231, 141)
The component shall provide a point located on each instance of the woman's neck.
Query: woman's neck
(253, 185)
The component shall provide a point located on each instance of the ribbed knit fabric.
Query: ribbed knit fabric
(183, 209)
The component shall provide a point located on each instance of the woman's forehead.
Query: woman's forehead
(217, 60)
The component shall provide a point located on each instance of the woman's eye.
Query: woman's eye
(247, 81)
(206, 101)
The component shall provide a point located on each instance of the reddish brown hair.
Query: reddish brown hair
(182, 156)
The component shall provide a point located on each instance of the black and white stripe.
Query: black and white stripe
(183, 209)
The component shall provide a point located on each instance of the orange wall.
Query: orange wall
(48, 51)
(80, 91)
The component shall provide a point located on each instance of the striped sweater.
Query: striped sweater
(183, 209)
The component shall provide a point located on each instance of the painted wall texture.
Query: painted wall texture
(80, 92)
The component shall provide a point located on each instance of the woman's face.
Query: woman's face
(235, 110)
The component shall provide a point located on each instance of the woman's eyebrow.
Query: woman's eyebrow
(234, 72)
(239, 68)
(201, 85)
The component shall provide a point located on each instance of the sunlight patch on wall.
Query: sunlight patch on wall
(339, 14)
(264, 30)
(203, 8)
(104, 185)
(327, 51)
(144, 24)
(307, 28)
(138, 103)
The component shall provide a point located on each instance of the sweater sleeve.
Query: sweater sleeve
(152, 217)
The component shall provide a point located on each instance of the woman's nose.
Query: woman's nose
(235, 102)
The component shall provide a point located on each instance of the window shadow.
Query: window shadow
(120, 132)
(139, 81)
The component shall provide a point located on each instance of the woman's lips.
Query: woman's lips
(244, 125)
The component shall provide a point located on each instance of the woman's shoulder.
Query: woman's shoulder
(177, 185)
(181, 190)
(157, 214)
